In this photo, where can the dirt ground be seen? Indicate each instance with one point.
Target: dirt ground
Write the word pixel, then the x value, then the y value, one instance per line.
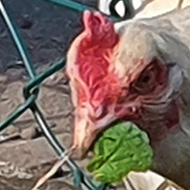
pixel 24 153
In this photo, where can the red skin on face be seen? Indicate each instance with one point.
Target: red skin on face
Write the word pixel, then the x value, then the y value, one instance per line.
pixel 93 60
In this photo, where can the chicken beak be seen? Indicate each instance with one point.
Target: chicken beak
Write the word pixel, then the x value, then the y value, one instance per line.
pixel 84 135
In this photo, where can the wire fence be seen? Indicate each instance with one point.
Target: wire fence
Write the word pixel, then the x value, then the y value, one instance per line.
pixel 31 89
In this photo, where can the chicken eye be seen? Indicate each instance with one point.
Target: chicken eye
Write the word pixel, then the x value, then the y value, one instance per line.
pixel 151 78
pixel 145 79
pixel 145 83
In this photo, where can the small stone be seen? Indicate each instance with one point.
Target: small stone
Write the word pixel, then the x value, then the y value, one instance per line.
pixel 29 133
pixel 26 22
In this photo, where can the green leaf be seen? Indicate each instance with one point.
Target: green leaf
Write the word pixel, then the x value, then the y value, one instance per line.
pixel 121 149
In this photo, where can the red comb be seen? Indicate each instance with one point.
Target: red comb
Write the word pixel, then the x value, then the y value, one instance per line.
pixel 94 57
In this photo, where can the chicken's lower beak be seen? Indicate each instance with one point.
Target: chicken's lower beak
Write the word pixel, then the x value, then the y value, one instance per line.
pixel 84 135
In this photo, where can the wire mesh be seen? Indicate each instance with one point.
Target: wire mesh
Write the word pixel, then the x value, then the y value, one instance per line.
pixel 31 89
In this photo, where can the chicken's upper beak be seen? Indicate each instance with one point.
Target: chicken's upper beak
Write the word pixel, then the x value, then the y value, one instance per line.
pixel 84 135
